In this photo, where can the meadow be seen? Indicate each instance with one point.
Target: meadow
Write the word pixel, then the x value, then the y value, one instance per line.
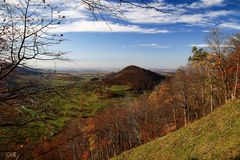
pixel 71 96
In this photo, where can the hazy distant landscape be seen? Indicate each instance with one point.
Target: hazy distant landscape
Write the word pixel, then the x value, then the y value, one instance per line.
pixel 120 80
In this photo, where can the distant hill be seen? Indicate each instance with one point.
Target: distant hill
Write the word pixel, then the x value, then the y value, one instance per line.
pixel 27 71
pixel 215 136
pixel 19 74
pixel 136 77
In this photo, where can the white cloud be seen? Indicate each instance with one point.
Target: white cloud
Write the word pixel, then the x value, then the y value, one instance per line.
pixel 74 14
pixel 142 15
pixel 102 26
pixel 230 25
pixel 199 45
pixel 12 1
pixel 214 14
pixel 206 3
pixel 212 2
pixel 78 17
pixel 206 45
pixel 192 19
pixel 153 45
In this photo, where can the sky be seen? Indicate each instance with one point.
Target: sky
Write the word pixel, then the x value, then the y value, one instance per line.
pixel 159 37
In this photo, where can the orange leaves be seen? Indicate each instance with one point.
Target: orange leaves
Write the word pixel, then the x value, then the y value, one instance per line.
pixel 92 141
pixel 160 93
pixel 85 155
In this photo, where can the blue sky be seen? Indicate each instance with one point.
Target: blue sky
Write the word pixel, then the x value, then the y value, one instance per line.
pixel 145 37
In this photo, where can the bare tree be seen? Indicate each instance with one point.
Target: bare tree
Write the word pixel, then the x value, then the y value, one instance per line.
pixel 234 57
pixel 25 33
pixel 217 44
pixel 182 90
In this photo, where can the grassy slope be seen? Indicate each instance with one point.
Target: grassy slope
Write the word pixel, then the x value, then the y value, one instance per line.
pixel 216 136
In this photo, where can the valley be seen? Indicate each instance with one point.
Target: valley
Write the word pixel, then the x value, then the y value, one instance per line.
pixel 61 100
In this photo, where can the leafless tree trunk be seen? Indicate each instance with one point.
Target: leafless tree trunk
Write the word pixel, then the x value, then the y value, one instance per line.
pixel 236 82
pixel 217 45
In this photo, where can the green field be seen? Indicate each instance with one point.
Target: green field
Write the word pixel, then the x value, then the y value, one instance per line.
pixel 121 90
pixel 70 98
pixel 216 136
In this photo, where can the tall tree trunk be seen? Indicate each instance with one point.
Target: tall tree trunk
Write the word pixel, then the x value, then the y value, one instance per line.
pixel 223 77
pixel 236 82
pixel 175 119
pixel 211 98
pixel 185 115
pixel 210 79
pixel 224 86
pixel 203 99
